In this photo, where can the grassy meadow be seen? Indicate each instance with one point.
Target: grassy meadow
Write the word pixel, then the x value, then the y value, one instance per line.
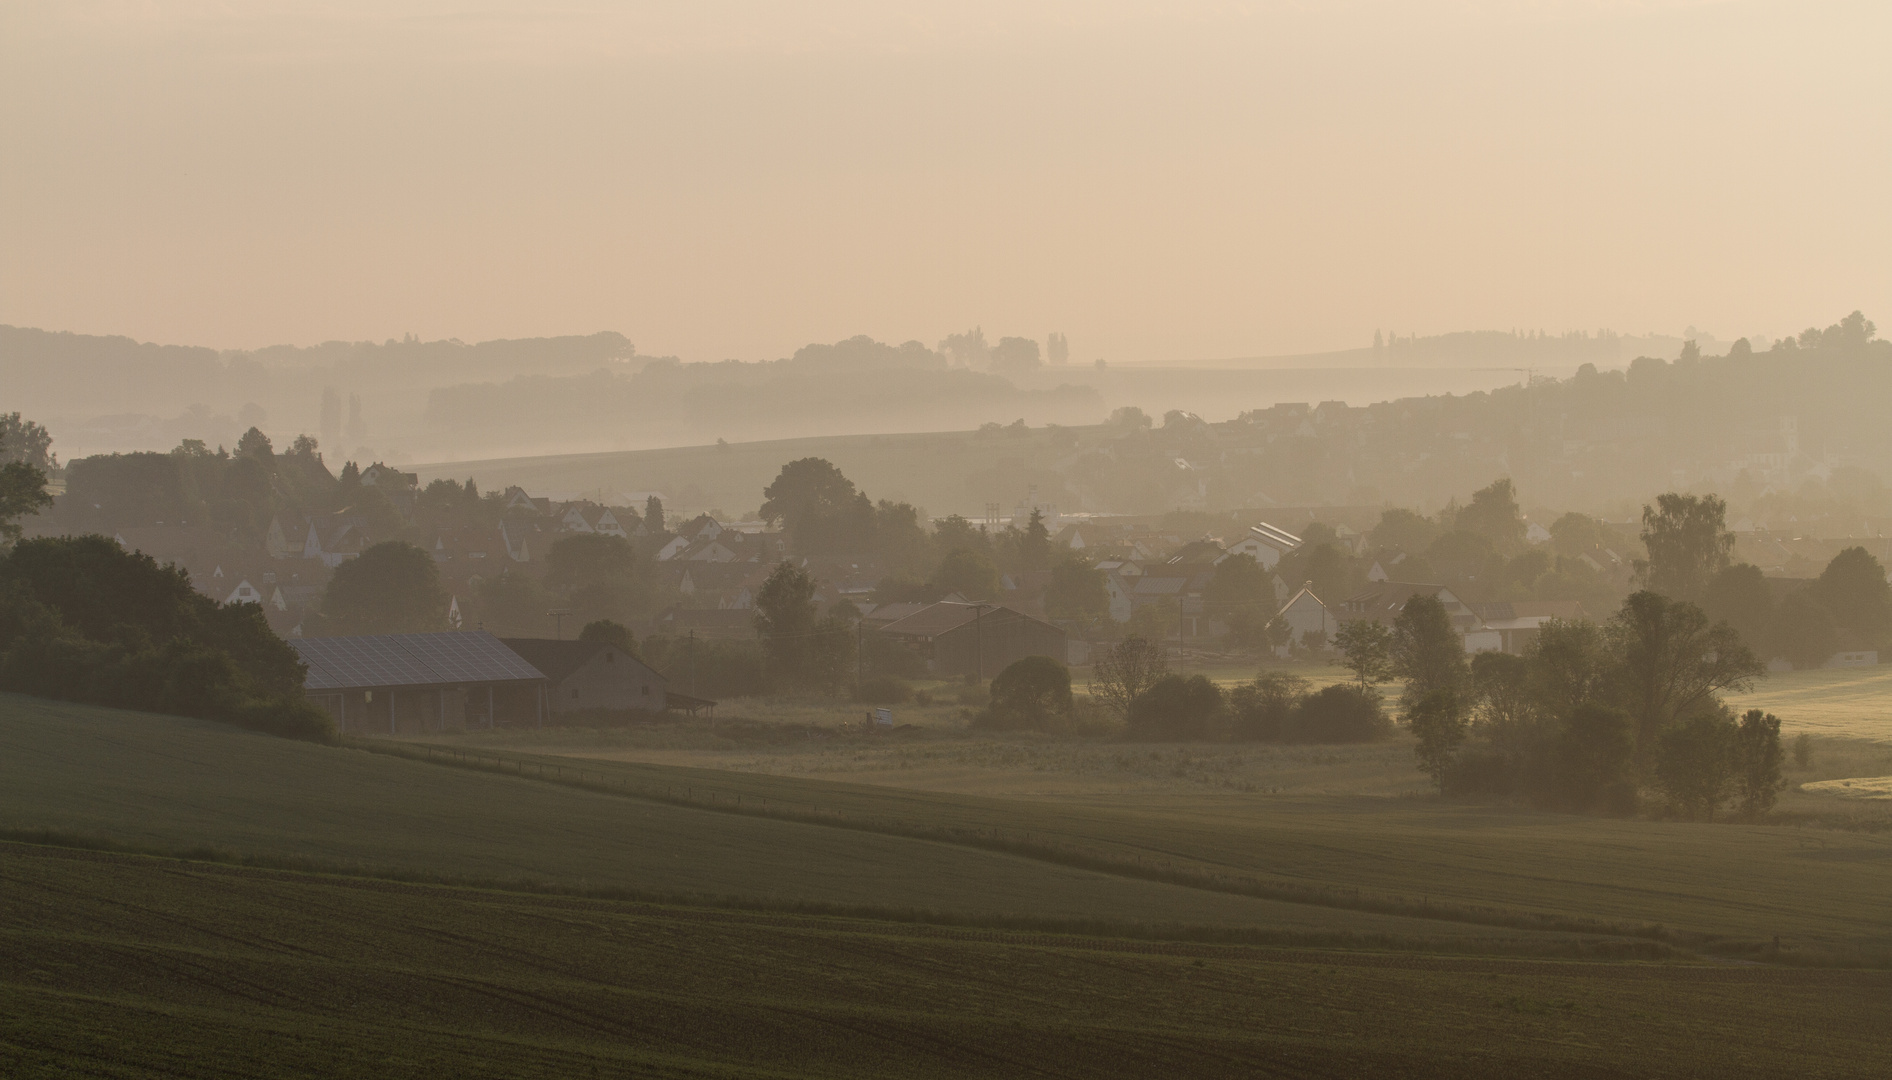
pixel 184 898
pixel 1406 867
pixel 169 784
pixel 1845 702
pixel 1733 883
pixel 115 965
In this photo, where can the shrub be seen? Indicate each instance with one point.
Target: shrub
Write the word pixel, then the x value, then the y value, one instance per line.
pixel 83 620
pixel 1122 671
pixel 1480 769
pixel 1178 708
pixel 1034 692
pixel 293 718
pixel 1695 764
pixel 1438 722
pixel 611 632
pixel 1757 757
pixel 1591 755
pixel 883 690
pixel 1263 710
pixel 1341 713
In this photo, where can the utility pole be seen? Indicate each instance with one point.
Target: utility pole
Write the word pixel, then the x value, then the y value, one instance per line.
pixel 692 663
pixel 860 651
pixel 558 623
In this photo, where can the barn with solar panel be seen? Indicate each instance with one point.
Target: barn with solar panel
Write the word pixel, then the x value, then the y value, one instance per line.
pixel 411 683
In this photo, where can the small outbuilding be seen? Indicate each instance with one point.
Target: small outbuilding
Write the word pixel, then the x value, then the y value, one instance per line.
pixel 582 675
pixel 975 639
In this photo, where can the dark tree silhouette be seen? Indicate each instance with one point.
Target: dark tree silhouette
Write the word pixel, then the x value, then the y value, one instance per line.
pixel 390 588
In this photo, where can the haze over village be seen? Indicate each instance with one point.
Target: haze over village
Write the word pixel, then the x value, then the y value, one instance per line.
pixel 916 540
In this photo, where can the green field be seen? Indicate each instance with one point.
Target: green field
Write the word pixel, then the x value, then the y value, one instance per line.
pixel 122 966
pixel 1744 883
pixel 165 784
pixel 1851 702
pixel 188 899
pixel 169 784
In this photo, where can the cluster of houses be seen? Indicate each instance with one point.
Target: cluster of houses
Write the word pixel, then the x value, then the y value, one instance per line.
pixel 300 551
pixel 1183 576
pixel 710 571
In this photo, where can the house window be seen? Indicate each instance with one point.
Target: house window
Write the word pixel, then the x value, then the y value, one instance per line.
pixel 574 693
pixel 647 690
pixel 610 658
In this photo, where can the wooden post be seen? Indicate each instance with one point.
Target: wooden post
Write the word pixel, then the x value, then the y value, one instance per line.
pixel 492 720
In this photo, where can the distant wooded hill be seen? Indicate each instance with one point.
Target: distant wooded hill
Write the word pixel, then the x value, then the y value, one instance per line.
pixel 1796 432
pixel 1754 424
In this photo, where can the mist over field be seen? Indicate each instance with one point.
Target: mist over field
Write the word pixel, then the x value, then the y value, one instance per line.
pixel 412 401
pixel 915 539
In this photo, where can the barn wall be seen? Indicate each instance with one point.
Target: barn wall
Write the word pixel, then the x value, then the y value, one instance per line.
pixel 1002 637
pixel 610 680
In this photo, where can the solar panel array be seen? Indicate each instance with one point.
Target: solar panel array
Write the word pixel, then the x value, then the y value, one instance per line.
pixel 383 660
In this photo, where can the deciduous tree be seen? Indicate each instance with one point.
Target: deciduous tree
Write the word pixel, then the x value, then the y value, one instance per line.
pixel 1365 647
pixel 1439 723
pixel 390 588
pixel 819 509
pixel 1033 692
pixel 1126 669
pixel 968 573
pixel 1757 762
pixel 599 576
pixel 1426 649
pixel 22 492
pixel 1687 542
pixel 1695 764
pixel 1674 662
pixel 610 632
pixel 1076 591
pixel 1175 707
pixel 785 621
pixel 1241 594
pixel 1854 589
pixel 1493 514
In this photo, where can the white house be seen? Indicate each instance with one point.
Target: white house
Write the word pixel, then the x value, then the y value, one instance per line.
pixel 244 593
pixel 1384 600
pixel 1266 544
pixel 1308 619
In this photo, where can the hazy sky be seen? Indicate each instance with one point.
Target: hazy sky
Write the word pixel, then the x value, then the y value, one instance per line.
pixel 736 178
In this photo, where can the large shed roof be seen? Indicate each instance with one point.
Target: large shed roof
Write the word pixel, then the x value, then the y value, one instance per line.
pixel 389 660
pixel 936 619
pixel 559 659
